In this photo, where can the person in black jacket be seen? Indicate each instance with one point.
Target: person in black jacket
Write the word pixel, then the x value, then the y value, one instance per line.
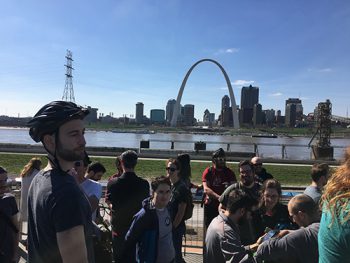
pixel 125 195
pixel 151 229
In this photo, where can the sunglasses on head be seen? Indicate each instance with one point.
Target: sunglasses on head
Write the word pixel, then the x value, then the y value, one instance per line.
pixel 171 169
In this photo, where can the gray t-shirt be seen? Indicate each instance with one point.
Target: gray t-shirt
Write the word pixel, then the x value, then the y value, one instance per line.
pixel 299 246
pixel 314 192
pixel 55 204
pixel 223 243
pixel 166 251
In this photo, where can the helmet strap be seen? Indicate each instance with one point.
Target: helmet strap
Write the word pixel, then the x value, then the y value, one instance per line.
pixel 52 157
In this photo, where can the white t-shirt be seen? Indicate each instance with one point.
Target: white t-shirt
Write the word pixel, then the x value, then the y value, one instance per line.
pixel 92 188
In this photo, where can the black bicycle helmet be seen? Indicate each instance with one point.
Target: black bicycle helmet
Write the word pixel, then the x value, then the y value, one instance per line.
pixel 218 153
pixel 53 115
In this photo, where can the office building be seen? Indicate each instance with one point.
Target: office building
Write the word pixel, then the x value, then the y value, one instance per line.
pixel 139 112
pixel 225 102
pixel 298 107
pixel 226 112
pixel 208 118
pixel 170 106
pixel 249 97
pixel 157 116
pixel 290 118
pixel 257 115
pixel 188 115
pixel 270 117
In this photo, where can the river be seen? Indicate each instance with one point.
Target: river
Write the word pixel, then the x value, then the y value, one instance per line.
pixel 267 147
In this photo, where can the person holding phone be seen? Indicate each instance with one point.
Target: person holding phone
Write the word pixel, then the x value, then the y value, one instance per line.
pixel 271 213
pixel 294 245
pixel 222 241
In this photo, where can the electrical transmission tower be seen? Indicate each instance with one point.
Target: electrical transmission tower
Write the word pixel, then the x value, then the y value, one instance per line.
pixel 68 93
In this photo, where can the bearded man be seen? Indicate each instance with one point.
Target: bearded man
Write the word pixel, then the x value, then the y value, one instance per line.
pixel 223 241
pixel 215 180
pixel 59 215
pixel 248 185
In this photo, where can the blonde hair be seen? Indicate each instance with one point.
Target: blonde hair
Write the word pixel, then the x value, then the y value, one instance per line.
pixel 336 193
pixel 34 163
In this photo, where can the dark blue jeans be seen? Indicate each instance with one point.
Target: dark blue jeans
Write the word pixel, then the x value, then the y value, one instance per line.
pixel 178 234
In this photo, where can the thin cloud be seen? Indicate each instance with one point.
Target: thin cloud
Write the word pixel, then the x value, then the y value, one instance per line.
pixel 232 50
pixel 320 70
pixel 225 88
pixel 242 82
pixel 227 51
pixel 277 94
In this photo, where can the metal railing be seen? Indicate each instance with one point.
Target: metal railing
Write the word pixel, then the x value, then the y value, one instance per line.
pixel 194 238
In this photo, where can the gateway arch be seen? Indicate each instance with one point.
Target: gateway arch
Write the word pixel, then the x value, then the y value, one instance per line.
pixel 228 82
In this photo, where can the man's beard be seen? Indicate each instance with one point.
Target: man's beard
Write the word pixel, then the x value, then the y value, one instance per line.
pixel 70 155
pixel 220 165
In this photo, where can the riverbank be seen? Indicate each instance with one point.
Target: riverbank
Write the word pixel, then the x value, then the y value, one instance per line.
pixel 287 174
pixel 234 156
pixel 337 131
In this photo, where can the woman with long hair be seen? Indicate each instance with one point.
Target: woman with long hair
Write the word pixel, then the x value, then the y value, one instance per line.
pixel 184 160
pixel 271 213
pixel 27 175
pixel 185 168
pixel 334 233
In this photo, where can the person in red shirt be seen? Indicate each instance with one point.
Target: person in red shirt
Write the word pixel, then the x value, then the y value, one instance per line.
pixel 215 180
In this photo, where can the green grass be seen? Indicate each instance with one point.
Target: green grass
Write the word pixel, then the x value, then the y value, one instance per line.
pixel 286 174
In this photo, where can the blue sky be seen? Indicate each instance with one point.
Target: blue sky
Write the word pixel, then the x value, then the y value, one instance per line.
pixel 140 50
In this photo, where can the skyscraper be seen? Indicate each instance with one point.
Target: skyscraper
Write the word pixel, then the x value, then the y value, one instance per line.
pixel 208 118
pixel 270 117
pixel 257 114
pixel 226 112
pixel 290 118
pixel 188 114
pixel 298 107
pixel 170 110
pixel 249 97
pixel 139 112
pixel 293 113
pixel 225 102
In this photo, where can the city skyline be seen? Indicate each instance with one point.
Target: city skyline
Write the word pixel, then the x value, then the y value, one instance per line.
pixel 131 51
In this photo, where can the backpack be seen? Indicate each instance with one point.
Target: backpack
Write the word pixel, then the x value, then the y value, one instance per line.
pixel 189 207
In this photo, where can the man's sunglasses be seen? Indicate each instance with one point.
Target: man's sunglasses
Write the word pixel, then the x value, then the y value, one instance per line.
pixel 220 159
pixel 77 164
pixel 171 169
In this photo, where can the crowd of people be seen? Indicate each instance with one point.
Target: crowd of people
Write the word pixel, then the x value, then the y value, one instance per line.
pixel 244 219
